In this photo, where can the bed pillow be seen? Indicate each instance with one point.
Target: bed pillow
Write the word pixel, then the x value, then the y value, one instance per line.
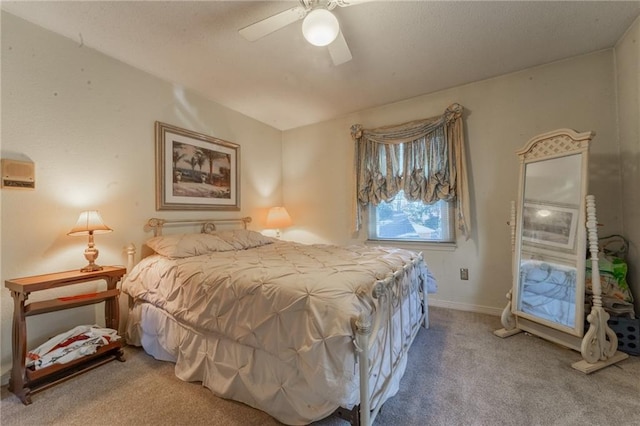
pixel 242 239
pixel 186 245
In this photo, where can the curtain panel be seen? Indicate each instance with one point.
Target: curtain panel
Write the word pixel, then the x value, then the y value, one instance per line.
pixel 425 158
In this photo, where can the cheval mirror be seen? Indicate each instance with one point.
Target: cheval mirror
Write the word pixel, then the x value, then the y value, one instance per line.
pixel 552 223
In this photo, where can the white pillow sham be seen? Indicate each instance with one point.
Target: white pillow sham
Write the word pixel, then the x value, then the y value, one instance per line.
pixel 178 246
pixel 242 239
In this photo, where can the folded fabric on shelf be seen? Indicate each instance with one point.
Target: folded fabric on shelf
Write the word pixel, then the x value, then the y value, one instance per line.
pixel 76 343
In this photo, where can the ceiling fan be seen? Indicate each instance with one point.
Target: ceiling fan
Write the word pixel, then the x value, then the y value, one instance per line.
pixel 319 27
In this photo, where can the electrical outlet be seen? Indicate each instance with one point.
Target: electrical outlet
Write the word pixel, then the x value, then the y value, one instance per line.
pixel 464 273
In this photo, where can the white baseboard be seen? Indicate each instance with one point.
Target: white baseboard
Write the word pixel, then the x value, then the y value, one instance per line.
pixel 465 307
pixel 4 379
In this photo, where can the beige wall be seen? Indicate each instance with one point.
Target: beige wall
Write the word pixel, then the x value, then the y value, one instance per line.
pixel 501 115
pixel 87 122
pixel 627 55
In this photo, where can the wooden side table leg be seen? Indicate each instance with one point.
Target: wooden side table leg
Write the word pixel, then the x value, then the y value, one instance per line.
pixel 120 355
pixel 112 314
pixel 112 307
pixel 19 349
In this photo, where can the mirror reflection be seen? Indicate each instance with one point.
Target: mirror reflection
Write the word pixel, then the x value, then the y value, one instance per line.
pixel 548 257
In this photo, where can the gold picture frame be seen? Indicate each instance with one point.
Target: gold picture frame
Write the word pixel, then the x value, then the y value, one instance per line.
pixel 195 171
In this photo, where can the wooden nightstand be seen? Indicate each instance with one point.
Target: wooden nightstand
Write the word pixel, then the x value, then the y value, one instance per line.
pixel 25 381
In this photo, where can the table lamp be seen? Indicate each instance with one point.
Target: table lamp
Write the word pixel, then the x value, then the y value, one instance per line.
pixel 90 223
pixel 278 218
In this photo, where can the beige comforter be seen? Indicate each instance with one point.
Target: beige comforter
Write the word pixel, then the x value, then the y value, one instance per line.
pixel 290 303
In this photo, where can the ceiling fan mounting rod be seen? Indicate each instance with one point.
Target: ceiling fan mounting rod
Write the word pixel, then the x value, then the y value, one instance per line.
pixel 321 4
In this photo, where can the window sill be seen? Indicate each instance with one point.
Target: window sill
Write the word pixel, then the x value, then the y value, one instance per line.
pixel 414 245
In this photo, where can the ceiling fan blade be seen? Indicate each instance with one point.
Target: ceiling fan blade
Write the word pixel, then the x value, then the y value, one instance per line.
pixel 273 23
pixel 339 50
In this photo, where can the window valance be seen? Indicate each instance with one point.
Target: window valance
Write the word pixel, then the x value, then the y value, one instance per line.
pixel 425 158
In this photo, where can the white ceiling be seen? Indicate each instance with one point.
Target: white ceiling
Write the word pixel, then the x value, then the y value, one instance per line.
pixel 400 49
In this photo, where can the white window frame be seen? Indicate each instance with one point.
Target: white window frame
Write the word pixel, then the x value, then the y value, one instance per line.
pixel 447 235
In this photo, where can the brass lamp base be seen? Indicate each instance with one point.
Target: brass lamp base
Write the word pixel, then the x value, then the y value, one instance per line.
pixel 91 254
pixel 91 267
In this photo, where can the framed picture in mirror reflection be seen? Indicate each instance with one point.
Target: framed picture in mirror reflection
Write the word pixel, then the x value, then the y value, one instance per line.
pixel 550 225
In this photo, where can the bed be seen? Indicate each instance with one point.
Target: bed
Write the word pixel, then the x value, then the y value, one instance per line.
pixel 298 331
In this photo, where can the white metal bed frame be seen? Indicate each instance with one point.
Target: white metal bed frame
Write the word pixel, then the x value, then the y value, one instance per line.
pixel 385 298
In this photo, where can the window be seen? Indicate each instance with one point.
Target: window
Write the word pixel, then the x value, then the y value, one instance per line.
pixel 403 220
pixel 425 159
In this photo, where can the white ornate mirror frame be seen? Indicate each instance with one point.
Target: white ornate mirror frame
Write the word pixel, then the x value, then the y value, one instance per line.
pixel 549 237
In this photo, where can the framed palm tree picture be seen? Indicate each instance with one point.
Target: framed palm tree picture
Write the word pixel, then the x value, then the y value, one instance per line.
pixel 195 171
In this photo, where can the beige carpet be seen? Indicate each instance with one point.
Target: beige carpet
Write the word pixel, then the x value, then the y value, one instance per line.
pixel 459 373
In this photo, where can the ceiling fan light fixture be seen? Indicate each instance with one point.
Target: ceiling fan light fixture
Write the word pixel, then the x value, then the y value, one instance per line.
pixel 320 27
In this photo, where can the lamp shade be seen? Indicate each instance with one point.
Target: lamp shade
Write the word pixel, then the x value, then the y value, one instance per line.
pixel 320 27
pixel 89 222
pixel 278 217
